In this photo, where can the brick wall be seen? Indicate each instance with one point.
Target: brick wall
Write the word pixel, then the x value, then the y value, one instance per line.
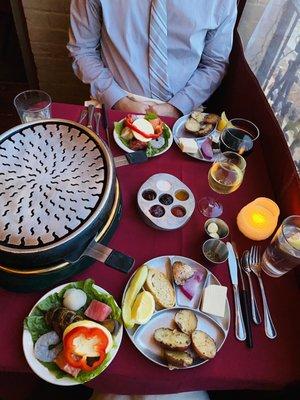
pixel 48 22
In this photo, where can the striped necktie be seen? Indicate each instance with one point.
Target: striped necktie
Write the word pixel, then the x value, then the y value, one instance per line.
pixel 158 51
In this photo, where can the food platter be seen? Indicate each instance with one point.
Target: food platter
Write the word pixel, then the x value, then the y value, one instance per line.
pixel 216 327
pixel 39 369
pixel 154 143
pixel 179 131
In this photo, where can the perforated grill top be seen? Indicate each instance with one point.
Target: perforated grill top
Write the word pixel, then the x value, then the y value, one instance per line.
pixel 52 178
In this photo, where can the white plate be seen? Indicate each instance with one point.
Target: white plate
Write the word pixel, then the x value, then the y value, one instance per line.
pixel 215 327
pixel 179 131
pixel 155 142
pixel 43 372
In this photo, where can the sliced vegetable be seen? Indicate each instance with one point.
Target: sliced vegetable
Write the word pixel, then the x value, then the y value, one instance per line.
pixel 142 129
pixel 86 344
pixel 206 148
pixel 62 363
pixel 192 284
pixel 74 299
pixel 97 311
pixel 135 286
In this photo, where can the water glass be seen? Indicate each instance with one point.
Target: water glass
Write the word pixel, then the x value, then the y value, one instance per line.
pixel 283 253
pixel 33 105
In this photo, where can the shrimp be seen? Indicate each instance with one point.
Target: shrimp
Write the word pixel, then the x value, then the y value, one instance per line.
pixel 47 347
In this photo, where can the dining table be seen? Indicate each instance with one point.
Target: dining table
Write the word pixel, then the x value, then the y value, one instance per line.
pixel 270 364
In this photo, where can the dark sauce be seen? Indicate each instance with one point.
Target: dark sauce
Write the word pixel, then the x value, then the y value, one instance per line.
pixel 166 199
pixel 157 211
pixel 149 195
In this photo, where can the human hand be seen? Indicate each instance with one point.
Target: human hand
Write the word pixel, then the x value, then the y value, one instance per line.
pixel 165 110
pixel 128 105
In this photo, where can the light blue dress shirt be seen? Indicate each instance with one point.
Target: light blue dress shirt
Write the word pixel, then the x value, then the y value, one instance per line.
pixel 109 45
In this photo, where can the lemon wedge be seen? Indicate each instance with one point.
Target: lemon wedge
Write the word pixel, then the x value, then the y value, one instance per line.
pixel 143 307
pixel 294 240
pixel 224 122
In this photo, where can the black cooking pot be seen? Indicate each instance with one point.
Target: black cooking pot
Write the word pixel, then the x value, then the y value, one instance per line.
pixel 57 190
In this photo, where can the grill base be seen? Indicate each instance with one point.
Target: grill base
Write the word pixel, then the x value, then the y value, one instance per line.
pixel 19 282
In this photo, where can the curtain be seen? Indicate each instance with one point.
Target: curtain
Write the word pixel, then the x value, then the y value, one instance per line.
pixel 270 31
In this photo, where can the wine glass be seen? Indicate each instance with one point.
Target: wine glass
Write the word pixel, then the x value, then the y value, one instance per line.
pixel 239 136
pixel 227 172
pixel 225 176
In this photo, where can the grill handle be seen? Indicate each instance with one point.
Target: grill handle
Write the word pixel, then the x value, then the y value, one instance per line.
pixel 112 258
pixel 136 157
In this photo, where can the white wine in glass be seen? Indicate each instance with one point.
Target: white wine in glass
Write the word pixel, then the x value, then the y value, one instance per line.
pixel 227 172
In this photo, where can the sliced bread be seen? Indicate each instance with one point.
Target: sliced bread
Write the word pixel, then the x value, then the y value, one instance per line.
pixel 178 358
pixel 181 272
pixel 186 321
pixel 161 288
pixel 204 345
pixel 192 125
pixel 172 339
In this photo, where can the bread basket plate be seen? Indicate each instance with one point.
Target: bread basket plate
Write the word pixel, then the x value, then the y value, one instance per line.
pixel 161 142
pixel 179 131
pixel 39 369
pixel 216 327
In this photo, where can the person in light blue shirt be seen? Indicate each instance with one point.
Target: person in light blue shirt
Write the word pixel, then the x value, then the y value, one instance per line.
pixel 109 42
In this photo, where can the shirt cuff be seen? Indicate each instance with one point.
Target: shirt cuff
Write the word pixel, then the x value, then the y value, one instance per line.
pixel 113 94
pixel 182 102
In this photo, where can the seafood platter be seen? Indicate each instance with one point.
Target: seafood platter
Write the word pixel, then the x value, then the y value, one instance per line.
pixel 72 333
pixel 175 312
pixel 165 202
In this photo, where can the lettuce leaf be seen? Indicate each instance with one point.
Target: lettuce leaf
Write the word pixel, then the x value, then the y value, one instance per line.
pixel 36 324
pixel 150 115
pixel 118 127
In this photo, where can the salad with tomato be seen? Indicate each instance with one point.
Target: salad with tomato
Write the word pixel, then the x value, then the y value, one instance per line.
pixel 74 330
pixel 147 132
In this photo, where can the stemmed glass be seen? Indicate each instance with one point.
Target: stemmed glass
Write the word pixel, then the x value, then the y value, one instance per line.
pixel 239 136
pixel 225 176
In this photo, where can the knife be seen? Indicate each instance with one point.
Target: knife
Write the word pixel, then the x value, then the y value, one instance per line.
pixel 240 331
pixel 244 301
pixel 105 123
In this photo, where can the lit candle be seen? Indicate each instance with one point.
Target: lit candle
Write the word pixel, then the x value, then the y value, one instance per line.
pixel 258 219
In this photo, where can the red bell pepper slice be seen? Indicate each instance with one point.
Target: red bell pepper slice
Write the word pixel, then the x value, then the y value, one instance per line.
pixel 85 347
pixel 129 124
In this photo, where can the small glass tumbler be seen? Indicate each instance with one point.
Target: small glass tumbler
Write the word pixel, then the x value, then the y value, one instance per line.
pixel 283 253
pixel 33 105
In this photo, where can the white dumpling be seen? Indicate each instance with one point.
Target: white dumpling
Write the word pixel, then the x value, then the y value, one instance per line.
pixel 74 299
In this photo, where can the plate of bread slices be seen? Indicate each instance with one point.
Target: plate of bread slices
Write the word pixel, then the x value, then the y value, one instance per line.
pixel 176 312
pixel 197 135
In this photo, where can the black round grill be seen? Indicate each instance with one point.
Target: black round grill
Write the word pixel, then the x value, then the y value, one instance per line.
pixel 52 179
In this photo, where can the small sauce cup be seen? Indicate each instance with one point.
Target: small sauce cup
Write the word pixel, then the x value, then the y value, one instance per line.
pixel 215 251
pixel 223 229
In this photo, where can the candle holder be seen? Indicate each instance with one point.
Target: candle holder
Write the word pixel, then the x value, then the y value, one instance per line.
pixel 258 219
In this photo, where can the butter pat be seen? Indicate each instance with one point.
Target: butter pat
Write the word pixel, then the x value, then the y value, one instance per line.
pixel 214 300
pixel 188 145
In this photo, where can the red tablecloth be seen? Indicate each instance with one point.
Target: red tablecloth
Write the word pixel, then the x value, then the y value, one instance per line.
pixel 270 364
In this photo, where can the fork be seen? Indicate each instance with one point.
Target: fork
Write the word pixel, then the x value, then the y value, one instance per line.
pixel 246 268
pixel 255 259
